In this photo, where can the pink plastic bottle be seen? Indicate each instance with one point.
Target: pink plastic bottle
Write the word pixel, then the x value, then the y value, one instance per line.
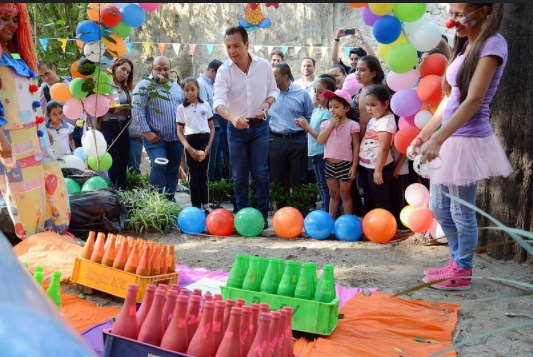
pixel 203 342
pixel 245 329
pixel 288 331
pixel 230 303
pixel 261 344
pixel 193 315
pixel 240 302
pixel 283 343
pixel 168 310
pixel 274 333
pixel 217 297
pixel 152 329
pixel 176 337
pixel 231 343
pixel 218 321
pixel 126 324
pixel 254 321
pixel 146 305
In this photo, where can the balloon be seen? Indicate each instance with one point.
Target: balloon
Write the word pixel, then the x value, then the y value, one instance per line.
pixel 420 219
pixel 409 120
pixel 79 153
pixel 429 89
pixel 93 10
pixel 93 51
pixel 417 195
pixel 191 220
pixel 88 143
pixel 402 58
pixel 60 92
pixel 110 16
pixel 94 184
pixel 122 30
pixel 73 108
pixel 437 233
pixel 405 102
pixel 72 186
pixel 318 224
pixel 379 225
pixel 409 12
pixel 220 222
pixel 103 83
pixel 369 17
pixel 351 86
pixel 356 5
pixel 120 5
pixel 149 6
pixel 118 48
pixel 348 228
pixel 105 162
pixel 403 138
pixel 381 8
pixel 404 214
pixel 426 36
pixel 249 222
pixel 422 118
pixel 85 66
pixel 74 71
pixel 387 29
pixel 88 31
pixel 288 222
pixel 71 162
pixel 410 27
pixel 434 64
pixel 384 49
pixel 397 81
pixel 96 105
pixel 402 123
pixel 79 123
pixel 76 88
pixel 133 15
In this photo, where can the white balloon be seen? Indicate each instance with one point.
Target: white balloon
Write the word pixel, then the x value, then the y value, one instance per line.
pixel 425 37
pixel 410 27
pixel 71 161
pixel 88 143
pixel 94 51
pixel 397 81
pixel 422 118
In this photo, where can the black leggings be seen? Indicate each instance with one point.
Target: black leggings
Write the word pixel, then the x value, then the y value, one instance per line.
pixel 378 196
pixel 198 178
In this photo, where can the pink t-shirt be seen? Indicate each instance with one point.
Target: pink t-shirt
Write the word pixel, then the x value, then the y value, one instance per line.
pixel 339 143
pixel 368 153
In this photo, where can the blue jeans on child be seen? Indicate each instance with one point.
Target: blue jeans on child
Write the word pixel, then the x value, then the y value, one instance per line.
pixel 454 217
pixel 164 177
pixel 319 165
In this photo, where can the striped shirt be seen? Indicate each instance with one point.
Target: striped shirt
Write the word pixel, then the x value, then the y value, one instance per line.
pixel 159 116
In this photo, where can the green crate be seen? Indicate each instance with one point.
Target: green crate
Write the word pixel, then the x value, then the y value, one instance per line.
pixel 308 316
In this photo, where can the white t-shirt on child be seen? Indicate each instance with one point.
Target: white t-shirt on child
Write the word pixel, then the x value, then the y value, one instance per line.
pixel 61 145
pixel 368 153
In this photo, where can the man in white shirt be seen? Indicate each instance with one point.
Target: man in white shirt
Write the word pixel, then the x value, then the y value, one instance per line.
pixel 307 81
pixel 245 89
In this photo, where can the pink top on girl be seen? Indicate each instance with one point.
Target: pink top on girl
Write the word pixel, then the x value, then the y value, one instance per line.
pixel 339 143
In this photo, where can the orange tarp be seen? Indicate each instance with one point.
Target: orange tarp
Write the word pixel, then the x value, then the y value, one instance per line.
pixel 378 325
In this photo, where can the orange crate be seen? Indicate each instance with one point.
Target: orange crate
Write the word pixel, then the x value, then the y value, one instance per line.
pixel 114 281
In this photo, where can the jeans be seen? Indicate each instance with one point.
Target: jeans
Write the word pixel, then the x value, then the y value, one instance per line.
pixel 248 150
pixel 164 176
pixel 120 151
pixel 454 217
pixel 319 165
pixel 378 196
pixel 136 149
pixel 214 155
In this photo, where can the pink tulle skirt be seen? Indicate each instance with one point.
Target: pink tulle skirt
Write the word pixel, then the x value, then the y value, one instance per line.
pixel 466 160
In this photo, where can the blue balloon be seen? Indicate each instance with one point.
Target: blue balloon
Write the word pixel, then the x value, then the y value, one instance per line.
pixel 88 31
pixel 133 15
pixel 191 220
pixel 387 29
pixel 348 228
pixel 79 153
pixel 318 224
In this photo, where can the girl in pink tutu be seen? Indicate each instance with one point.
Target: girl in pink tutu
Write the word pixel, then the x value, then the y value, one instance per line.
pixel 466 144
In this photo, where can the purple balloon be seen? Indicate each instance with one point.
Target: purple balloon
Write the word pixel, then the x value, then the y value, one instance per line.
pixel 369 17
pixel 405 103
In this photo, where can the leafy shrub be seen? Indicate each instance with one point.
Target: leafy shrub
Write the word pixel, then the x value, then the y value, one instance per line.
pixel 135 179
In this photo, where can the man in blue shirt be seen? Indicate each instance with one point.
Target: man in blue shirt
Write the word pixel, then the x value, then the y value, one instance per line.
pixel 288 142
pixel 155 102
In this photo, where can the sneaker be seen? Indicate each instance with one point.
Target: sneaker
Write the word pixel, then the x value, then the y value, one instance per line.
pixel 207 208
pixel 442 269
pixel 457 279
pixel 182 188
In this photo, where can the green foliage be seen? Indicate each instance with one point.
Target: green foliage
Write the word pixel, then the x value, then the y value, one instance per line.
pixel 149 210
pixel 135 179
pixel 151 91
pixel 304 198
pixel 220 191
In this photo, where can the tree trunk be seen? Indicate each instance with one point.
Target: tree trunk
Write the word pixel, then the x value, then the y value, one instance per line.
pixel 510 199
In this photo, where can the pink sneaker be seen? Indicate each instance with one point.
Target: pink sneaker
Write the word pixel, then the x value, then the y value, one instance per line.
pixel 442 269
pixel 457 279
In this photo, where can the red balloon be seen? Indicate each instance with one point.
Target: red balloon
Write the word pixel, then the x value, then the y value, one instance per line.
pixel 379 225
pixel 288 222
pixel 219 222
pixel 429 89
pixel 420 219
pixel 110 16
pixel 434 64
pixel 403 138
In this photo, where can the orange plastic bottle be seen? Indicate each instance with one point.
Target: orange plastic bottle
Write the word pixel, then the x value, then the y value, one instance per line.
pixel 163 259
pixel 126 323
pixel 175 337
pixel 151 331
pixel 146 305
pixel 261 344
pixel 88 247
pixel 231 342
pixel 203 342
pixel 110 252
pixel 98 251
pixel 143 269
pixel 156 261
pixel 133 259
pixel 122 256
pixel 171 262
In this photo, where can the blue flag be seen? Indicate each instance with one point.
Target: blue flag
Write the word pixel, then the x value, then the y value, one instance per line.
pixel 44 42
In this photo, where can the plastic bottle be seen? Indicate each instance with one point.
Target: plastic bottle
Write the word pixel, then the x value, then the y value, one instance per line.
pixel 168 310
pixel 269 283
pixel 122 255
pixel 264 307
pixel 156 261
pixel 325 291
pixel 88 247
pixel 305 287
pixel 171 260
pixel 133 259
pixel 175 337
pixel 146 305
pixel 261 343
pixel 315 278
pixel 238 272
pixel 283 341
pixel 207 297
pixel 230 303
pixel 289 279
pixel 254 322
pixel 218 321
pixel 245 329
pixel 151 331
pixel 38 274
pixel 54 289
pixel 163 259
pixel 275 334
pixel 98 250
pixel 203 342
pixel 217 297
pixel 240 302
pixel 252 280
pixel 262 265
pixel 231 342
pixel 143 269
pixel 288 331
pixel 110 252
pixel 193 318
pixel 197 292
pixel 126 323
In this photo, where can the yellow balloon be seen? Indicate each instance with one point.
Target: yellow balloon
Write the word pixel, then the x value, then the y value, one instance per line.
pixel 383 50
pixel 404 214
pixel 79 123
pixel 380 8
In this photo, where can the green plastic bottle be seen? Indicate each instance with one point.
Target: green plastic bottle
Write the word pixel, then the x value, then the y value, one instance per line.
pixel 315 278
pixel 262 265
pixel 238 272
pixel 289 279
pixel 270 282
pixel 38 276
pixel 305 288
pixel 252 280
pixel 54 289
pixel 325 291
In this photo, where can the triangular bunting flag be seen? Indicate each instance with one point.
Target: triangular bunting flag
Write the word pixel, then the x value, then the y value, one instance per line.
pixel 209 49
pixel 297 49
pixel 63 43
pixel 44 43
pixel 192 48
pixel 284 50
pixel 310 51
pixel 324 51
pixel 146 46
pixel 257 48
pixel 176 47
pixel 270 48
pixel 161 47
pixel 347 51
pixel 129 46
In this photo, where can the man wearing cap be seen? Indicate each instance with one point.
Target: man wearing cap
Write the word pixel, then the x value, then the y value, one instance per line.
pixel 245 89
pixel 288 142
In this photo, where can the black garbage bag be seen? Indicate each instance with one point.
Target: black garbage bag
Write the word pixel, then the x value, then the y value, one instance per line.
pixel 6 224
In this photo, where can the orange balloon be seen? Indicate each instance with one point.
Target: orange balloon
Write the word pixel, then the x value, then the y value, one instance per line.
pixel 357 5
pixel 404 136
pixel 74 71
pixel 117 49
pixel 434 64
pixel 379 225
pixel 420 219
pixel 288 222
pixel 429 89
pixel 93 10
pixel 60 92
pixel 220 222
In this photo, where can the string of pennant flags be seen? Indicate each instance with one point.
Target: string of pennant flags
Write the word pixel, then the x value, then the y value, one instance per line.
pixel 147 47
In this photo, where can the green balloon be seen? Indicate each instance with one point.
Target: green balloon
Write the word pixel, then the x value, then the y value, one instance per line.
pixel 94 184
pixel 402 58
pixel 122 30
pixel 105 162
pixel 72 186
pixel 76 88
pixel 249 222
pixel 409 12
pixel 103 83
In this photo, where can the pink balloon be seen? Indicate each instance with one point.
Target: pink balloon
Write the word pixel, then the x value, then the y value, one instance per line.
pixel 417 195
pixel 369 17
pixel 96 105
pixel 405 102
pixel 149 6
pixel 397 81
pixel 73 108
pixel 403 123
pixel 351 85
pixel 410 120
